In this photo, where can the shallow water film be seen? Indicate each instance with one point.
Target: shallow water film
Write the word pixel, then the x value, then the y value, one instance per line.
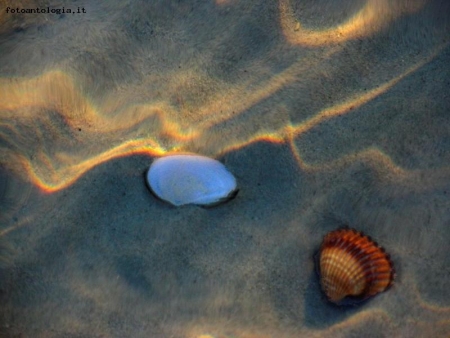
pixel 328 112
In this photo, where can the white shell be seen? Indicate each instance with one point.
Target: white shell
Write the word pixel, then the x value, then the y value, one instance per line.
pixel 191 179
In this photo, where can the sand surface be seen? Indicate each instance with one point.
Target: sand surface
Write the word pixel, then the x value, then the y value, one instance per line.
pixel 329 113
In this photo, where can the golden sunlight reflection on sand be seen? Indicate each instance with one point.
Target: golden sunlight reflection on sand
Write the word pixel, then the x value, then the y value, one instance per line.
pixel 25 99
pixel 374 317
pixel 370 19
pixel 117 129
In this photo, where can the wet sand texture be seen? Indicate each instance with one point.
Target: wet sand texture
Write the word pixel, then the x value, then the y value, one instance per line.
pixel 327 112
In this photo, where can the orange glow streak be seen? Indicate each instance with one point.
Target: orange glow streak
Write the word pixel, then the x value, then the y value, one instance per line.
pixel 56 91
pixel 52 170
pixel 168 128
pixel 217 328
pixel 224 2
pixel 290 132
pixel 370 19
pixel 415 296
pixel 24 221
pixel 68 175
pixel 357 101
pixel 53 90
pixel 272 138
pixel 243 97
pixel 359 318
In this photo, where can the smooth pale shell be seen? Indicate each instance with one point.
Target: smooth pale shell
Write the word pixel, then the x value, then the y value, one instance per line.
pixel 191 179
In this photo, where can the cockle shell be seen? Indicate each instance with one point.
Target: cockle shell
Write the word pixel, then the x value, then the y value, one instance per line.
pixel 352 266
pixel 191 179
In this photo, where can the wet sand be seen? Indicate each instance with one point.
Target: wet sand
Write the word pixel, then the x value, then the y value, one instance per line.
pixel 328 115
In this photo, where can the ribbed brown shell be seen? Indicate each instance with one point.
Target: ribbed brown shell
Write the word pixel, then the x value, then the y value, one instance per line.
pixel 351 264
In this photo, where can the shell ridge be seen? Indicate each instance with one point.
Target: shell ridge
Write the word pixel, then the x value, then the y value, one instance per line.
pixel 353 265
